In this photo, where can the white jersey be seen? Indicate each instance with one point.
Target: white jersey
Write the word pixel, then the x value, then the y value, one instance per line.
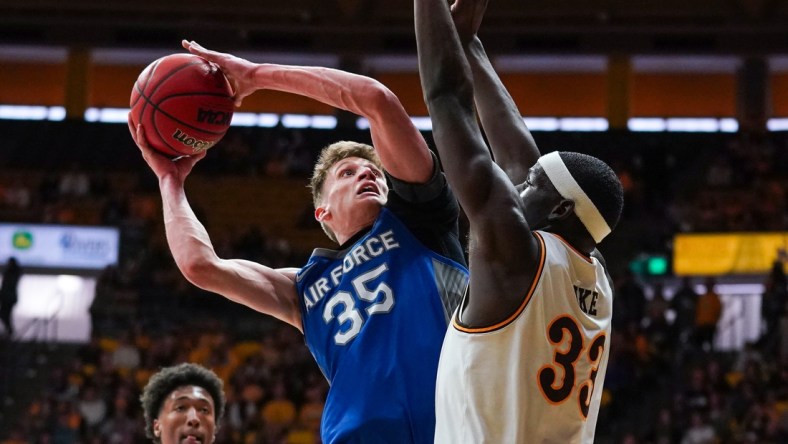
pixel 537 376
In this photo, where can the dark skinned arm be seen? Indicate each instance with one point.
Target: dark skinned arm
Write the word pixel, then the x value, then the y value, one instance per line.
pixel 511 142
pixel 502 251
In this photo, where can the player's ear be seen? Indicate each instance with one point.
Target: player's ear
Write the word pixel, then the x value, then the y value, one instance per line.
pixel 562 210
pixel 322 213
pixel 156 428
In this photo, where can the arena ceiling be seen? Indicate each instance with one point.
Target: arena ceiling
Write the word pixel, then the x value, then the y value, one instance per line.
pixel 364 27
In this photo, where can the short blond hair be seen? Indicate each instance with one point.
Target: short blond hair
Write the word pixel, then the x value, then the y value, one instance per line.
pixel 329 156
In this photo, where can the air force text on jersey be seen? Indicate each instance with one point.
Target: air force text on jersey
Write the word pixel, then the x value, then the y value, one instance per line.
pixel 370 248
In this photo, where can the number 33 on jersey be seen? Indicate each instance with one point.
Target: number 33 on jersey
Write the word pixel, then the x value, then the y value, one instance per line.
pixel 540 372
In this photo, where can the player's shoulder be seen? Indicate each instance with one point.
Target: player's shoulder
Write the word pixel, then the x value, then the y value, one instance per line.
pixel 313 268
pixel 596 254
pixel 431 207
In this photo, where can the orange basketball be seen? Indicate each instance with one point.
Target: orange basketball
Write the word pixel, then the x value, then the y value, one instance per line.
pixel 184 104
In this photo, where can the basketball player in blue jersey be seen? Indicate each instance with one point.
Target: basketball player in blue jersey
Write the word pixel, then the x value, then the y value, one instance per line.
pixel 374 310
pixel 181 403
pixel 525 356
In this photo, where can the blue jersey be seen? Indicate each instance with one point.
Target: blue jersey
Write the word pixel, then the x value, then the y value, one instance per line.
pixel 374 317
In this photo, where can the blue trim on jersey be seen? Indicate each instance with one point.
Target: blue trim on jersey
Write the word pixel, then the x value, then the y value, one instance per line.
pixel 374 320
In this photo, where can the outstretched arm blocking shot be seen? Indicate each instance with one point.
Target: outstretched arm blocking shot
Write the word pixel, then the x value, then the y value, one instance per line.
pixel 498 229
pixel 511 142
pixel 526 353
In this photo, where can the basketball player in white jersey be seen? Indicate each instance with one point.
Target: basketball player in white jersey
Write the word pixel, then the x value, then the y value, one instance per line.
pixel 525 356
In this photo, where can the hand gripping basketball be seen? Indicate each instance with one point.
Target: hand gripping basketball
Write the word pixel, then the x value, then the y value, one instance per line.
pixel 184 102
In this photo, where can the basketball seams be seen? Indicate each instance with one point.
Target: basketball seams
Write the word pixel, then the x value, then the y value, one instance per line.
pixel 169 122
pixel 174 70
pixel 171 73
pixel 141 90
pixel 155 108
pixel 209 94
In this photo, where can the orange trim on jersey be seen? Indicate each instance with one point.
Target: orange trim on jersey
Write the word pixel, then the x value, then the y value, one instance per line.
pixel 520 309
pixel 586 257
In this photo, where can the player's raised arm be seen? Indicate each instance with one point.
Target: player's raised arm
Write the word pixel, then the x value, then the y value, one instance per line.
pixel 256 286
pixel 503 251
pixel 480 185
pixel 510 140
pixel 400 146
pixel 448 93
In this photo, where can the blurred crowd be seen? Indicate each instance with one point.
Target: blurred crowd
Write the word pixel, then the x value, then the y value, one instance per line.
pixel 673 182
pixel 274 390
pixel 666 382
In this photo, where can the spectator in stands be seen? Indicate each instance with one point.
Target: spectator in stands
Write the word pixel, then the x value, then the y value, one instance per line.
pixel 120 428
pixel 707 315
pixel 773 305
pixel 18 195
pixel 656 321
pixel 74 183
pixel 48 188
pixel 699 431
pixel 696 394
pixel 93 408
pixel 720 173
pixel 236 154
pixel 16 435
pixel 126 355
pixel 657 335
pixel 9 293
pixel 115 209
pixel 279 412
pixel 103 305
pixel 183 401
pixel 100 185
pixel 312 409
pixel 67 423
pixel 630 301
pixel 684 303
pixel 664 430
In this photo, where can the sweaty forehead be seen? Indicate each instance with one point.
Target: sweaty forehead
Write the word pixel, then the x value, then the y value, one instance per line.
pixel 538 177
pixel 190 392
pixel 535 174
pixel 536 169
pixel 353 161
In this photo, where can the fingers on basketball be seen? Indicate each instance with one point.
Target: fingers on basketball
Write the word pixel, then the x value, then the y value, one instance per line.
pixel 184 102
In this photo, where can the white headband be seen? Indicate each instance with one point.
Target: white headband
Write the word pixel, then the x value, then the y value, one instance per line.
pixel 586 211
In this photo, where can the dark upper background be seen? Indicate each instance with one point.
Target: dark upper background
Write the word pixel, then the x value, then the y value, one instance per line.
pixel 386 26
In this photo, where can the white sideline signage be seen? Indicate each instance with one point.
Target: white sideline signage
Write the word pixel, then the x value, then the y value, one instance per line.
pixel 59 246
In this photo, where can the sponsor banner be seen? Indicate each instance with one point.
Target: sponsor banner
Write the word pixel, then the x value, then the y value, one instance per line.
pixel 59 246
pixel 728 253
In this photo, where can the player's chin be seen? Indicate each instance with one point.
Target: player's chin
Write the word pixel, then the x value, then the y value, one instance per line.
pixel 536 221
pixel 371 199
pixel 369 208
